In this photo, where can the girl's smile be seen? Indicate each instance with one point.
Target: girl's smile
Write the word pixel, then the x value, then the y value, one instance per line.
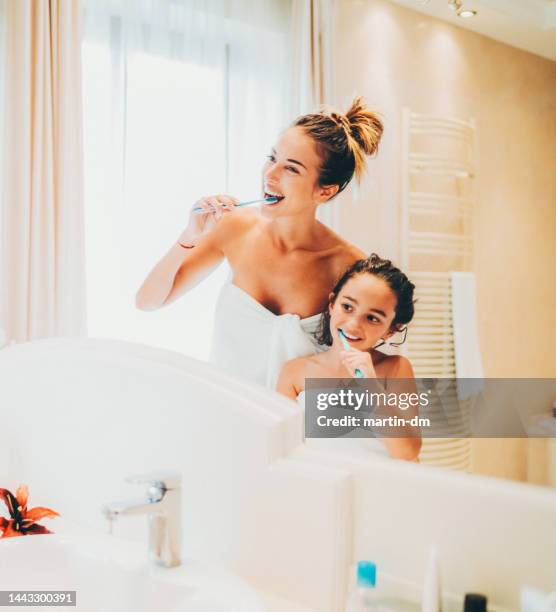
pixel 364 311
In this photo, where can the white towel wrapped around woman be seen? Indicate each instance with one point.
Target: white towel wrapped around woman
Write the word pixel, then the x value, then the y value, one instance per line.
pixel 253 343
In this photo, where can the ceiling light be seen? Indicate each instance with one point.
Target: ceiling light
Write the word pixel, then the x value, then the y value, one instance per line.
pixel 465 13
pixel 455 5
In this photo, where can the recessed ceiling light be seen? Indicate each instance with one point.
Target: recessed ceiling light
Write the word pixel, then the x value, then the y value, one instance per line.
pixel 455 5
pixel 466 13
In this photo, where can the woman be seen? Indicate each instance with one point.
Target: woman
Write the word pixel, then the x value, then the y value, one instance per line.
pixel 283 260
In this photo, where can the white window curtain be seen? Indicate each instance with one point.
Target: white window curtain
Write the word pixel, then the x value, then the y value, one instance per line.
pixel 313 71
pixel 43 289
pixel 3 337
pixel 182 98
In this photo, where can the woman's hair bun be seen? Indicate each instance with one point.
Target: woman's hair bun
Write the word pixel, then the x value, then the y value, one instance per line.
pixel 343 140
pixel 366 126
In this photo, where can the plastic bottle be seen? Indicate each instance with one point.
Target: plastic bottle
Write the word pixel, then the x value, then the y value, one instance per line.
pixel 432 594
pixel 475 602
pixel 363 597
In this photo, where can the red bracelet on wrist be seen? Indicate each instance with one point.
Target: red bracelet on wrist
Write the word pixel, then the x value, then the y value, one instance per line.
pixel 186 246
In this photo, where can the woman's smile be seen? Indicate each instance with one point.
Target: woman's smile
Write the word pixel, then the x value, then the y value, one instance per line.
pixel 273 193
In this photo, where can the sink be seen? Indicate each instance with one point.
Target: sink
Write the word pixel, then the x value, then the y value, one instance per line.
pixel 111 574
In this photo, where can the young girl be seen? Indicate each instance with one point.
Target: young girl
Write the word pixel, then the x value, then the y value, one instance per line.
pixel 372 301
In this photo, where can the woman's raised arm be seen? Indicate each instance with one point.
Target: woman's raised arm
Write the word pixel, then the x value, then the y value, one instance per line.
pixel 197 252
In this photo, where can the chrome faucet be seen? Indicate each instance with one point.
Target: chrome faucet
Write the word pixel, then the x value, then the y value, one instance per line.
pixel 162 505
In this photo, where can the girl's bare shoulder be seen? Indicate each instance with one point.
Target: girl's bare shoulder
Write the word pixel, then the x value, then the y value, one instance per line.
pixel 300 368
pixel 299 365
pixel 392 366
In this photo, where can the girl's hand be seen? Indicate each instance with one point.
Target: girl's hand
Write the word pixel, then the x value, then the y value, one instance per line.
pixel 202 223
pixel 358 360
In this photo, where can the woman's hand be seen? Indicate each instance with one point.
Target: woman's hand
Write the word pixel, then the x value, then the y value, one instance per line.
pixel 202 223
pixel 358 360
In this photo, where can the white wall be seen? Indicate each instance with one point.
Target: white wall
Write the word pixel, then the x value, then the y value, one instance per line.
pixel 396 57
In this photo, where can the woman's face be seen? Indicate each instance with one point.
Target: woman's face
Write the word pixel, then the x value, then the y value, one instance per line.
pixel 292 172
pixel 364 310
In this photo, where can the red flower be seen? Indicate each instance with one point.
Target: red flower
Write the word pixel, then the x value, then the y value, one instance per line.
pixel 22 521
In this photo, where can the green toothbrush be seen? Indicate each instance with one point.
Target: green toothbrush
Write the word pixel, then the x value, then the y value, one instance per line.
pixel 358 373
pixel 199 209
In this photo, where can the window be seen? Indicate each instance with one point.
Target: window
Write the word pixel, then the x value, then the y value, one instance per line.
pixel 169 116
pixel 2 144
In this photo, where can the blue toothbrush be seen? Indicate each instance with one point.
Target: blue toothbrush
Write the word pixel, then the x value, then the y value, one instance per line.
pixel 358 373
pixel 199 209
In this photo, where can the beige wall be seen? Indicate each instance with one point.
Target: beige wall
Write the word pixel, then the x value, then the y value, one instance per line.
pixel 395 58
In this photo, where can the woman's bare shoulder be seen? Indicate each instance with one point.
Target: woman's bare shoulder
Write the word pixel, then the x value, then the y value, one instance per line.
pixel 354 253
pixel 343 253
pixel 246 218
pixel 235 225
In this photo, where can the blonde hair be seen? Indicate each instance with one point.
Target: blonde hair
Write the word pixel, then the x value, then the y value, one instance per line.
pixel 343 141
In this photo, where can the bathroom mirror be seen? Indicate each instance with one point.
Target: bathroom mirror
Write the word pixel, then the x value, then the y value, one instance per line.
pixel 460 193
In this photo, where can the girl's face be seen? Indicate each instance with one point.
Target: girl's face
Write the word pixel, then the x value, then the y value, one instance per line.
pixel 364 310
pixel 291 172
